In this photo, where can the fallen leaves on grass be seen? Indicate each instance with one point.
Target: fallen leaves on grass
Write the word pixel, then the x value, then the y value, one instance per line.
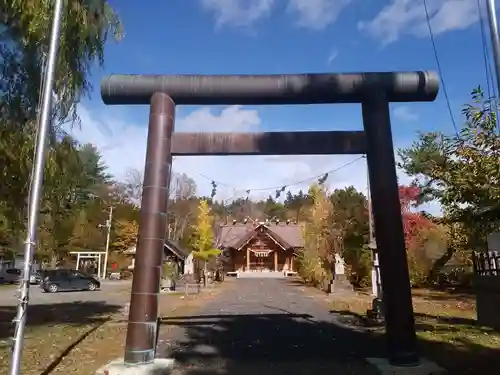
pixel 107 343
pixel 100 347
pixel 446 328
pixel 102 341
pixel 42 345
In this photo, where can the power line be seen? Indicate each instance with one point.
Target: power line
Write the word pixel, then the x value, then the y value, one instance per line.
pixel 440 70
pixel 487 65
pixel 322 176
pixel 312 177
pixel 492 91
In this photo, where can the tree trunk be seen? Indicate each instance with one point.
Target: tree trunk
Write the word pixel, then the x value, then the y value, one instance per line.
pixel 182 228
pixel 204 273
pixel 439 264
pixel 174 231
pixel 53 260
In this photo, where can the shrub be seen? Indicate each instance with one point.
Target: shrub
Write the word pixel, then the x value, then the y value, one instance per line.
pixel 358 266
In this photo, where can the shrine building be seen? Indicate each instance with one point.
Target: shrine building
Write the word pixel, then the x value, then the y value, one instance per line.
pixel 260 246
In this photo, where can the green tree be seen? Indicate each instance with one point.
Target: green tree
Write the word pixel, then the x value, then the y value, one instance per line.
pixel 350 218
pixel 69 183
pixel 273 210
pixel 350 215
pixel 86 236
pixel 461 173
pixel 297 204
pixel 93 173
pixel 85 28
pixel 25 30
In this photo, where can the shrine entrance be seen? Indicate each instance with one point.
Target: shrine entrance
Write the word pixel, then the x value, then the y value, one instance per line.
pixel 374 91
pixel 263 261
pixel 90 262
pixel 262 254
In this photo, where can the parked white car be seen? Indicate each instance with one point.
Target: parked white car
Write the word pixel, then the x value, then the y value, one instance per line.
pixel 10 275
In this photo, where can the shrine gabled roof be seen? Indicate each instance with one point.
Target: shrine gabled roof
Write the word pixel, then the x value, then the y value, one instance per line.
pixel 235 235
pixel 175 248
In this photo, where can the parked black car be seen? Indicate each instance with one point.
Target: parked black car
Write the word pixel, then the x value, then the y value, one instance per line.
pixel 54 281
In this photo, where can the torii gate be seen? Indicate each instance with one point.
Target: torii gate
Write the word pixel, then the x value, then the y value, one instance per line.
pixel 374 91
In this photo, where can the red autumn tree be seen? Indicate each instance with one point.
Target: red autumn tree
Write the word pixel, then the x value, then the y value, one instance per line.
pixel 413 222
pixel 417 231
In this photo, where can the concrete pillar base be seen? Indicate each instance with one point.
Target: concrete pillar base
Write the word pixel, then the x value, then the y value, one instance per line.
pixel 424 368
pixel 160 366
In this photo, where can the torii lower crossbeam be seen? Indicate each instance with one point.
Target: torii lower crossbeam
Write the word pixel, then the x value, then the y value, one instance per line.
pixel 271 143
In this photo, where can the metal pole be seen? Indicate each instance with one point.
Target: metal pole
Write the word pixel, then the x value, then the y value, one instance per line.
pixel 36 191
pixel 370 236
pixel 377 302
pixel 398 307
pixel 108 235
pixel 140 345
pixel 370 214
pixel 495 38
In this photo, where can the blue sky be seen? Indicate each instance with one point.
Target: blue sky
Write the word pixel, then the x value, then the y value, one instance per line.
pixel 282 36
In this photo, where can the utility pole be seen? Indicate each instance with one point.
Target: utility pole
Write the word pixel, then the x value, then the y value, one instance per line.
pixel 108 235
pixel 36 190
pixel 495 38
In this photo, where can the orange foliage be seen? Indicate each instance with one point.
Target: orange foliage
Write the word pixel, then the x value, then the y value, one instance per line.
pixel 125 234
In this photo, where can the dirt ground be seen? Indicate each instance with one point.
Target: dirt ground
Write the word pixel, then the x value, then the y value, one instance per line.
pixel 78 338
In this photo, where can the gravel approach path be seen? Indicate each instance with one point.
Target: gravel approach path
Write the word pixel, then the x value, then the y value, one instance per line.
pixel 264 327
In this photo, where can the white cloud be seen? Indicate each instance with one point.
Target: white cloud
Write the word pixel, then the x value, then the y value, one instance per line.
pixel 408 17
pixel 312 14
pixel 316 14
pixel 394 20
pixel 232 118
pixel 239 13
pixel 123 146
pixel 332 56
pixel 404 113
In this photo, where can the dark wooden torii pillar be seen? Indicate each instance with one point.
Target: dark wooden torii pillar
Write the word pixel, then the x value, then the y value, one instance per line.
pixel 374 91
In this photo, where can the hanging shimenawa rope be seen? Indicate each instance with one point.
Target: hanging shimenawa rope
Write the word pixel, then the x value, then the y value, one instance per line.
pixel 322 180
pixel 214 190
pixel 279 190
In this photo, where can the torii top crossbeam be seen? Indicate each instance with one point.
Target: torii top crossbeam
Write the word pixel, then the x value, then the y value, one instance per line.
pixel 275 89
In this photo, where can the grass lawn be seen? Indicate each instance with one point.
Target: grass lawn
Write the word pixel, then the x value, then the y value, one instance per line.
pixel 446 328
pixel 78 338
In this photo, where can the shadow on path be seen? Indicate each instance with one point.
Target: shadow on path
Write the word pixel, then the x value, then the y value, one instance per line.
pixel 451 342
pixel 270 344
pixel 266 327
pixel 73 313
